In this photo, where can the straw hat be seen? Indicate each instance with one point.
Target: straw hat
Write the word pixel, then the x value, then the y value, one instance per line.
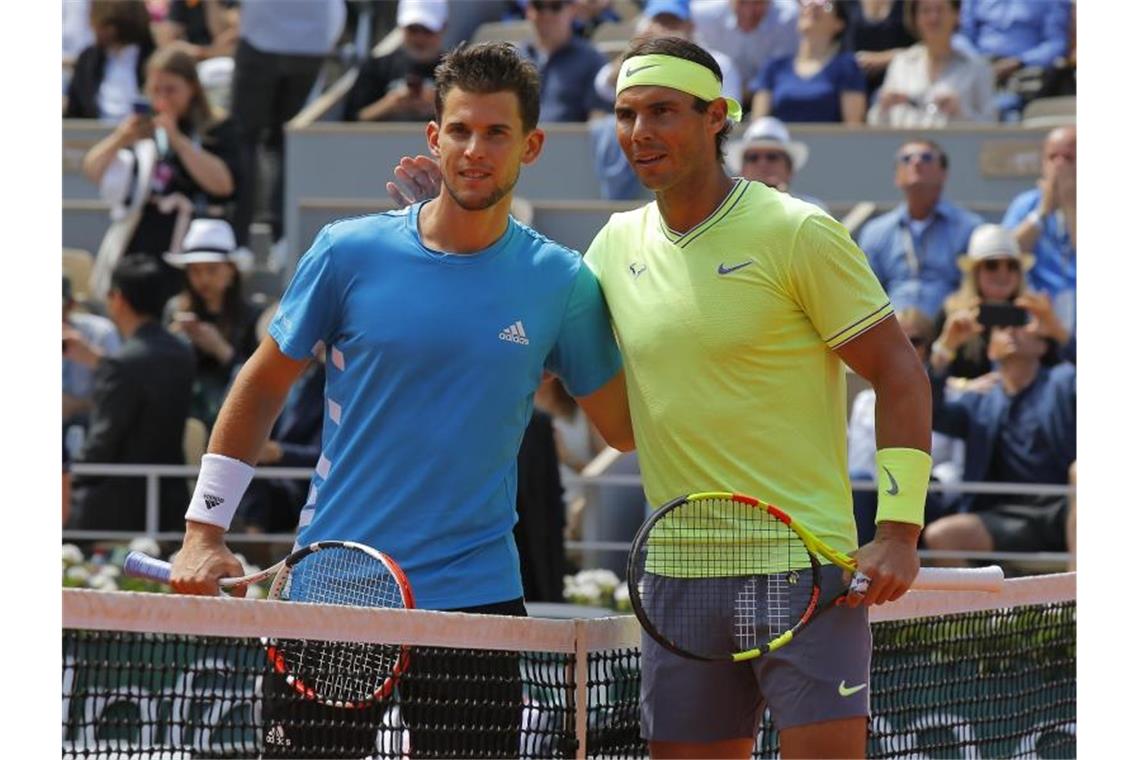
pixel 992 241
pixel 768 132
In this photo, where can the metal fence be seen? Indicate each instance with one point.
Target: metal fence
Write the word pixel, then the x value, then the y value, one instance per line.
pixel 153 473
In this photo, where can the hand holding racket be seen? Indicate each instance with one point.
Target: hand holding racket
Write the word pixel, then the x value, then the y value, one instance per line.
pixel 722 576
pixel 340 674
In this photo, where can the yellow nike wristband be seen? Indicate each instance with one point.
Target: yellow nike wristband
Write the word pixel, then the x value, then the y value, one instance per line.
pixel 904 475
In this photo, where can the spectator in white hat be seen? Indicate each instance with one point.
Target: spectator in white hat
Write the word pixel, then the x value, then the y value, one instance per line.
pixel 212 313
pixel 994 271
pixel 768 154
pixel 400 86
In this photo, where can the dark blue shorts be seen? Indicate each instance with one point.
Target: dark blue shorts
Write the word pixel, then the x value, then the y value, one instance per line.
pixel 822 674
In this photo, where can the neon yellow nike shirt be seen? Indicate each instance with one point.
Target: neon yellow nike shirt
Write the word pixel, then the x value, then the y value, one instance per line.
pixel 727 334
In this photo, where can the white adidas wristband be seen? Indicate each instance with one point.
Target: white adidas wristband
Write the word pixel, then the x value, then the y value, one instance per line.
pixel 221 483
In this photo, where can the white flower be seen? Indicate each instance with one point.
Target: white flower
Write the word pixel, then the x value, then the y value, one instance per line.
pixel 621 593
pixel 604 579
pixel 71 554
pixel 107 571
pixel 255 592
pixel 77 573
pixel 144 544
pixel 102 582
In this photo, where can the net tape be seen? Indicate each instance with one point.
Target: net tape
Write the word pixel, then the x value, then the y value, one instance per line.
pixel 954 674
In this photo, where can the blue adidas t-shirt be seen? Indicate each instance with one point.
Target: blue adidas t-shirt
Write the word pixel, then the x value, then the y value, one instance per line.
pixel 432 362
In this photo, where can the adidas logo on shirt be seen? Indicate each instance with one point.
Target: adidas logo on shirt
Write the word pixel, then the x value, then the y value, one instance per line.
pixel 515 334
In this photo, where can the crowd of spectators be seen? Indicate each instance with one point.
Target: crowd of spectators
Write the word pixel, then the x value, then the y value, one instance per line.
pixel 199 91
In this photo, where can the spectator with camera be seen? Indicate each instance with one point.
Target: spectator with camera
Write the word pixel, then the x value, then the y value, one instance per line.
pixel 1023 430
pixel 567 64
pixel 140 403
pixel 914 248
pixel 932 84
pixel 993 294
pixel 174 158
pixel 212 313
pixel 1044 221
pixel 109 74
pixel 400 86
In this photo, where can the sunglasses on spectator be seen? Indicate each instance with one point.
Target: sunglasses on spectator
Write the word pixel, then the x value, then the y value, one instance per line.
pixel 554 6
pixel 921 157
pixel 993 265
pixel 756 156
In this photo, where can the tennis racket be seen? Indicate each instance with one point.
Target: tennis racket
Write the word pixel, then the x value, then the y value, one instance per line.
pixel 339 674
pixel 723 576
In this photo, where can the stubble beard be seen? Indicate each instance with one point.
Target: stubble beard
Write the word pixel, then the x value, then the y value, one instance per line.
pixel 486 202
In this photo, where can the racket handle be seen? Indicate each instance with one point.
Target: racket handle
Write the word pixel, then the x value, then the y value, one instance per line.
pixel 139 565
pixel 960 579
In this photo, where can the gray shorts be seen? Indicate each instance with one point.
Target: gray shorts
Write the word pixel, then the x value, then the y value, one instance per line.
pixel 823 674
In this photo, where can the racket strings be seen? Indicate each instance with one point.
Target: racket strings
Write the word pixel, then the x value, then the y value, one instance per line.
pixel 718 576
pixel 343 672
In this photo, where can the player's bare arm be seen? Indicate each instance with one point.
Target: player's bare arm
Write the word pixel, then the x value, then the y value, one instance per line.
pixel 885 358
pixel 243 426
pixel 608 411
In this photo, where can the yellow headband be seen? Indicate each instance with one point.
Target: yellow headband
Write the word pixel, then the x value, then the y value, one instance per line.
pixel 660 70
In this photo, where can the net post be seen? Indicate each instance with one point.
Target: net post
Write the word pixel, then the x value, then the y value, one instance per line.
pixel 581 688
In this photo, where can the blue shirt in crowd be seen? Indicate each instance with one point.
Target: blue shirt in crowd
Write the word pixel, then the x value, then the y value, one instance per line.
pixel 795 99
pixel 1030 437
pixel 1033 31
pixel 1055 269
pixel 567 86
pixel 432 363
pixel 925 279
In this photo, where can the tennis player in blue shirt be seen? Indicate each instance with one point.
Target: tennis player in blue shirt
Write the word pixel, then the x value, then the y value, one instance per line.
pixel 438 322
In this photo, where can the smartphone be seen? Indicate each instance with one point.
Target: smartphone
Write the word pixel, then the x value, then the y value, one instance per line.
pixel 142 107
pixel 1002 315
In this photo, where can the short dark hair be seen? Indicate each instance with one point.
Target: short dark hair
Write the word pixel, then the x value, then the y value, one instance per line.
pixel 910 15
pixel 139 279
pixel 486 68
pixel 682 48
pixel 943 159
pixel 129 18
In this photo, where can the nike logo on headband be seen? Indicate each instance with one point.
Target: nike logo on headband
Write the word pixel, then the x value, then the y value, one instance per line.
pixel 631 71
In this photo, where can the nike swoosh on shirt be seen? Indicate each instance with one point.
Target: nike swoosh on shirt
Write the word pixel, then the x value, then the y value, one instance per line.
pixel 846 691
pixel 894 489
pixel 722 269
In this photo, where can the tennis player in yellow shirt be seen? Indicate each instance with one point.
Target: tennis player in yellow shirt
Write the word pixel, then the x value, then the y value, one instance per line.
pixel 735 307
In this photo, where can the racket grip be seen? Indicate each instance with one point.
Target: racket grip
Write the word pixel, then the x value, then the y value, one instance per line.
pixel 989 578
pixel 139 565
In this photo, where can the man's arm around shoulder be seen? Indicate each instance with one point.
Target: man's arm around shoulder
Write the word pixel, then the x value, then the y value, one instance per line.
pixel 608 410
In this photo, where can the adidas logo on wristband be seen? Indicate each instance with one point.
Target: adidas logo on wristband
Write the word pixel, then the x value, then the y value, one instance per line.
pixel 212 501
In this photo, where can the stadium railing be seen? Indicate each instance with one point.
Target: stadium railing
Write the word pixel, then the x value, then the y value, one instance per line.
pixel 154 473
